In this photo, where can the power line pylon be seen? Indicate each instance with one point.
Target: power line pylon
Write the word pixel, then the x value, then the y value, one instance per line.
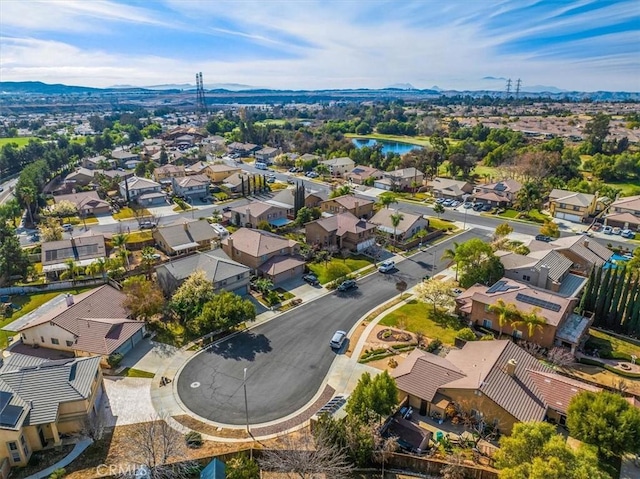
pixel 518 83
pixel 508 88
pixel 202 103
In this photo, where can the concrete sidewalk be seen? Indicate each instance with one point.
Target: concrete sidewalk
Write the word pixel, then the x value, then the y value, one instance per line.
pixel 65 461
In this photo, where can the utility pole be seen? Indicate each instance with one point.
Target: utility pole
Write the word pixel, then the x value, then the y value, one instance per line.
pixel 518 84
pixel 508 88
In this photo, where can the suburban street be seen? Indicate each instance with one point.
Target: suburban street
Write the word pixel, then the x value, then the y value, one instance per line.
pixel 288 358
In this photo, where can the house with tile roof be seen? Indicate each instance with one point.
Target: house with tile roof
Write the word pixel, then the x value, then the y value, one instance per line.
pixel 82 250
pixel 191 187
pixel 219 172
pixel 403 179
pixel 341 231
pixel 502 193
pixel 222 271
pixel 361 174
pixel 583 252
pixel 93 323
pixel 624 213
pixel 572 206
pixel 562 327
pixel 267 254
pixel 497 382
pixel 254 213
pixel 185 236
pixel 339 166
pixel 88 203
pixel 545 269
pixel 99 162
pixel 410 224
pixel 356 205
pixel 164 173
pixel 80 177
pixel 450 189
pixel 266 154
pixel 143 191
pixel 42 399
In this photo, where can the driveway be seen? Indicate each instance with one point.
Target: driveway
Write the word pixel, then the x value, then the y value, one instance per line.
pixel 127 401
pixel 149 356
pixel 287 359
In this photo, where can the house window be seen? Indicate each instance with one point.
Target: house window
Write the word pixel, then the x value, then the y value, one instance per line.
pixel 14 451
pixel 576 208
pixel 25 446
pixel 486 308
pixel 69 343
pixel 54 341
pixel 526 277
pixel 239 276
pixel 517 334
pixel 563 205
pixel 486 323
pixel 42 339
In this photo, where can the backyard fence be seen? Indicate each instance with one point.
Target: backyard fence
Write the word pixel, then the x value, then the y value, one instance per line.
pixel 55 286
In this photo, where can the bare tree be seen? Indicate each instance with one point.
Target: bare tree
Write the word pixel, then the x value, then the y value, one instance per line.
pixel 384 447
pixel 159 448
pixel 560 357
pixel 307 457
pixel 454 468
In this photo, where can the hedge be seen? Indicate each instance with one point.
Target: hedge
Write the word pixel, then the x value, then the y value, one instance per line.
pixel 608 367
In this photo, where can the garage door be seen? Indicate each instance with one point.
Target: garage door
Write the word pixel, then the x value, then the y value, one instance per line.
pixel 568 217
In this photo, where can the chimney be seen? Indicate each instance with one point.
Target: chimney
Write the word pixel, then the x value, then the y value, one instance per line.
pixel 510 367
pixel 230 244
pixel 357 207
pixel 69 300
pixel 543 276
pixel 586 243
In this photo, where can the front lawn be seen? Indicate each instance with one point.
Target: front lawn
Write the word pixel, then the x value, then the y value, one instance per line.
pixel 127 213
pixel 608 344
pixel 537 216
pixel 135 373
pixel 353 264
pixel 442 224
pixel 417 316
pixel 511 214
pixel 19 140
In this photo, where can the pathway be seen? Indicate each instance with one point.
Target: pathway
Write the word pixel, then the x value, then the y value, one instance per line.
pixel 65 461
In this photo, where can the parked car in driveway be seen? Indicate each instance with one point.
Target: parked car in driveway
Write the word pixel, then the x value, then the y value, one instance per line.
pixel 478 206
pixel 312 279
pixel 545 238
pixel 467 205
pixel 387 266
pixel 607 230
pixel 338 339
pixel 347 285
pixel 616 230
pixel 627 233
pixel 440 200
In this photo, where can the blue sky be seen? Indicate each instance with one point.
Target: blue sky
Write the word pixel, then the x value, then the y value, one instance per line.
pixel 307 44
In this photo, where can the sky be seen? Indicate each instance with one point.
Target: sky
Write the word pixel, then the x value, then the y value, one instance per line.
pixel 584 45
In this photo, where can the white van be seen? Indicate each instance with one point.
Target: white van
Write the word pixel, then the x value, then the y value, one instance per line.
pixel 260 165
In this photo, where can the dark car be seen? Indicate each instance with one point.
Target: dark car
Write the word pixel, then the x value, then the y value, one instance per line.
pixel 478 206
pixel 544 238
pixel 487 207
pixel 312 279
pixel 347 285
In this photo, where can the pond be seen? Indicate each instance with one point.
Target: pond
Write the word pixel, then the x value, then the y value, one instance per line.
pixel 387 146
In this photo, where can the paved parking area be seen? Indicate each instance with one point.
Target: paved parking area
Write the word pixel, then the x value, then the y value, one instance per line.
pixel 127 401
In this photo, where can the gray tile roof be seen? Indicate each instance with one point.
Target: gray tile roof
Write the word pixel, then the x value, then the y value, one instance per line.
pixel 101 336
pixel 102 302
pixel 186 233
pixel 343 223
pixel 590 250
pixel 571 285
pixel 383 219
pixel 558 265
pixel 258 242
pixel 42 388
pixel 216 266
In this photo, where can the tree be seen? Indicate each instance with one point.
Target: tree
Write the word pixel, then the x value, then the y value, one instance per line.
pixel 387 199
pixel 305 215
pixel 242 467
pixel 502 230
pixel 550 228
pixel 144 297
pixel 506 312
pixel 396 218
pixel 120 242
pixel 323 256
pixel 10 211
pixel 72 270
pixel 158 448
pixel 28 196
pixel 438 209
pixel 50 230
pixel 475 262
pixel 534 450
pixel 14 261
pixel 439 293
pixel 597 130
pixel 605 420
pixel 308 457
pixel 323 170
pixel 149 258
pixel 373 398
pixel 529 197
pixel 340 191
pixel 531 320
pixel 263 285
pixel 224 311
pixel 189 299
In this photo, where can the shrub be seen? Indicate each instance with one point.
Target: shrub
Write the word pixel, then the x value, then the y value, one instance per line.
pixel 487 337
pixel 392 363
pixel 193 439
pixel 58 473
pixel 386 334
pixel 434 345
pixel 467 334
pixel 114 360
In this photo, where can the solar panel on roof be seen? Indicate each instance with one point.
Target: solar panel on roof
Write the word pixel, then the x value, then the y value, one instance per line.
pixel 10 415
pixel 5 398
pixel 500 286
pixel 538 302
pixel 501 187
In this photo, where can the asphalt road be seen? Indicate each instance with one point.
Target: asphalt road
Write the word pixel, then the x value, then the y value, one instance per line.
pixel 288 357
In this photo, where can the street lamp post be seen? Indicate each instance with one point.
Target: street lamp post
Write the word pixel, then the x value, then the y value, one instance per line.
pixel 464 199
pixel 246 404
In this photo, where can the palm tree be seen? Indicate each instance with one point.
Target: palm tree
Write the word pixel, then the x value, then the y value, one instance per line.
pixel 263 285
pixel 532 320
pixel 387 199
pixel 28 196
pixel 148 259
pixel 123 254
pixel 120 242
pixel 396 218
pixel 452 254
pixel 72 270
pixel 99 266
pixel 506 312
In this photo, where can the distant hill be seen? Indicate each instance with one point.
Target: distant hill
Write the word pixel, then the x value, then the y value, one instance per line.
pixel 37 87
pixel 401 86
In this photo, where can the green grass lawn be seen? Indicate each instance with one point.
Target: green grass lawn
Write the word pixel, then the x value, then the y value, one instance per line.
pixel 537 216
pixel 20 140
pixel 628 189
pixel 274 122
pixel 135 373
pixel 28 304
pixel 510 214
pixel 441 224
pixel 284 294
pixel 139 236
pixel 172 333
pixel 418 316
pixel 605 341
pixel 353 263
pixel 124 214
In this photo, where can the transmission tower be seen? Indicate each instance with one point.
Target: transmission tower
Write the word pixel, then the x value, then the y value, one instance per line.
pixel 518 83
pixel 508 87
pixel 202 103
